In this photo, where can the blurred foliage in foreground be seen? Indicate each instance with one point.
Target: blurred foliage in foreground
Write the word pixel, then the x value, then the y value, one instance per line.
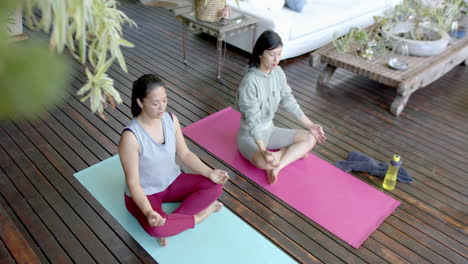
pixel 33 78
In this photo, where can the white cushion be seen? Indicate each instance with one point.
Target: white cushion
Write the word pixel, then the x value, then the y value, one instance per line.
pixel 269 5
pixel 320 14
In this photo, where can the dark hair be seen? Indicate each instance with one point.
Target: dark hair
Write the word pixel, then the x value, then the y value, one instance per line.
pixel 268 40
pixel 141 87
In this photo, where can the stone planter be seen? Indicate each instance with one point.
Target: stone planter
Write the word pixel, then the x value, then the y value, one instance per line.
pixel 423 48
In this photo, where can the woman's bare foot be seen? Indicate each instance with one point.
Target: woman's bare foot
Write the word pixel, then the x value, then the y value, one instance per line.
pixel 163 241
pixel 273 175
pixel 305 156
pixel 216 206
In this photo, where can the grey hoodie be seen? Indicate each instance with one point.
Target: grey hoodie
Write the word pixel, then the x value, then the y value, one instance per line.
pixel 258 98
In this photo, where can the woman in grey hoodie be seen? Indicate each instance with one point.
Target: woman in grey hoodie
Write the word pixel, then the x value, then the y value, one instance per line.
pixel 263 89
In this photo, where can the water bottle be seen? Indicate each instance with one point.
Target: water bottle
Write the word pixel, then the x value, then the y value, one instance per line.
pixel 392 172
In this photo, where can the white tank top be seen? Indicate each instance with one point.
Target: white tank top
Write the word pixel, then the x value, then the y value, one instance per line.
pixel 157 162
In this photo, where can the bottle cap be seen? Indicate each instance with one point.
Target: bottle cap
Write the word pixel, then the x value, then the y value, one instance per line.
pixel 396 157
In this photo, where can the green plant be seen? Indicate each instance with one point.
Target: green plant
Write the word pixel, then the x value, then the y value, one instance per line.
pixel 92 32
pixel 421 14
pixel 356 38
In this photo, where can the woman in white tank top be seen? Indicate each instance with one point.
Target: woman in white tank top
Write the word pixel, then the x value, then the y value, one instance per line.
pixel 148 149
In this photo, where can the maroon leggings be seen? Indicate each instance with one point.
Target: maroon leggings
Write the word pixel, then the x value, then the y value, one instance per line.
pixel 195 192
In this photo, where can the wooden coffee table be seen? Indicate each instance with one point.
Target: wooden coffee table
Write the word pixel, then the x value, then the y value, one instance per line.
pixel 421 71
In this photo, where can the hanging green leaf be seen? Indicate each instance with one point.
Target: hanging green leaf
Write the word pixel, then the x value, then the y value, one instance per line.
pixel 95 28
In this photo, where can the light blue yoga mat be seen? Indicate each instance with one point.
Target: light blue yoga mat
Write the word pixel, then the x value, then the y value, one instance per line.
pixel 222 238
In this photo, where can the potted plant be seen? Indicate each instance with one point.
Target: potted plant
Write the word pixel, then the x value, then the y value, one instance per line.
pixel 33 78
pixel 422 24
pixel 209 10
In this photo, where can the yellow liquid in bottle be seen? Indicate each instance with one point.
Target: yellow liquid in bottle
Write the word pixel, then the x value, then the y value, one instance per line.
pixel 390 178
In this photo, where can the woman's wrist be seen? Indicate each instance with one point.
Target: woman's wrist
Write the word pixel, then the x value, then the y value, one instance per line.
pixel 147 213
pixel 208 172
pixel 306 122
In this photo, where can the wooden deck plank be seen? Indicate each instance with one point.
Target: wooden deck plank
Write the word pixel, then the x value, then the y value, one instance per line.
pixel 62 195
pixel 45 212
pixel 440 250
pixel 36 228
pixel 5 256
pixel 13 239
pixel 8 207
pixel 437 235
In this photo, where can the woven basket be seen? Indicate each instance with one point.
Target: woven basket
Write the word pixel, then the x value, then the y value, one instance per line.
pixel 209 11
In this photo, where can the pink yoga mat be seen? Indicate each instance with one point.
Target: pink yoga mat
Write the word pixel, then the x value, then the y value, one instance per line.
pixel 336 200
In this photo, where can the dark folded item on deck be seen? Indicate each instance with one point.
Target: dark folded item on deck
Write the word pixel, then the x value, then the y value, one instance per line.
pixel 357 161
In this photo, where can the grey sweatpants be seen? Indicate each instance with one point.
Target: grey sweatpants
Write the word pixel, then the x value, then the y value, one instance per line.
pixel 273 137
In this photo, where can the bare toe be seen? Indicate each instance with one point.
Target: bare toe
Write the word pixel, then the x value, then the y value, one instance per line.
pixel 271 176
pixel 218 206
pixel 163 241
pixel 305 156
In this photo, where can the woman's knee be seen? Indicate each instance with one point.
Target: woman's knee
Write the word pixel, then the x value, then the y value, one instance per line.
pixel 175 224
pixel 218 189
pixel 208 184
pixel 307 138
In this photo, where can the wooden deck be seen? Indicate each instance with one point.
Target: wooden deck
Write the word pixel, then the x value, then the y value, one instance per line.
pixel 47 216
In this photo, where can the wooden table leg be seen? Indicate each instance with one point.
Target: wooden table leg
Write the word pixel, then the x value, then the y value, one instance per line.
pixel 399 104
pixel 219 48
pixel 326 74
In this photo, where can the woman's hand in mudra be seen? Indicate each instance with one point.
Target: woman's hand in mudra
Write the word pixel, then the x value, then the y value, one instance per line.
pixel 218 176
pixel 155 219
pixel 317 132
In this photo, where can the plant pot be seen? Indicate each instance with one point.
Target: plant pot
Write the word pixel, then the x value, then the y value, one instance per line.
pixel 423 48
pixel 209 10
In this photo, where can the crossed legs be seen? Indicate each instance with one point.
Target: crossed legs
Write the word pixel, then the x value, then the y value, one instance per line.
pixel 303 142
pixel 197 195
